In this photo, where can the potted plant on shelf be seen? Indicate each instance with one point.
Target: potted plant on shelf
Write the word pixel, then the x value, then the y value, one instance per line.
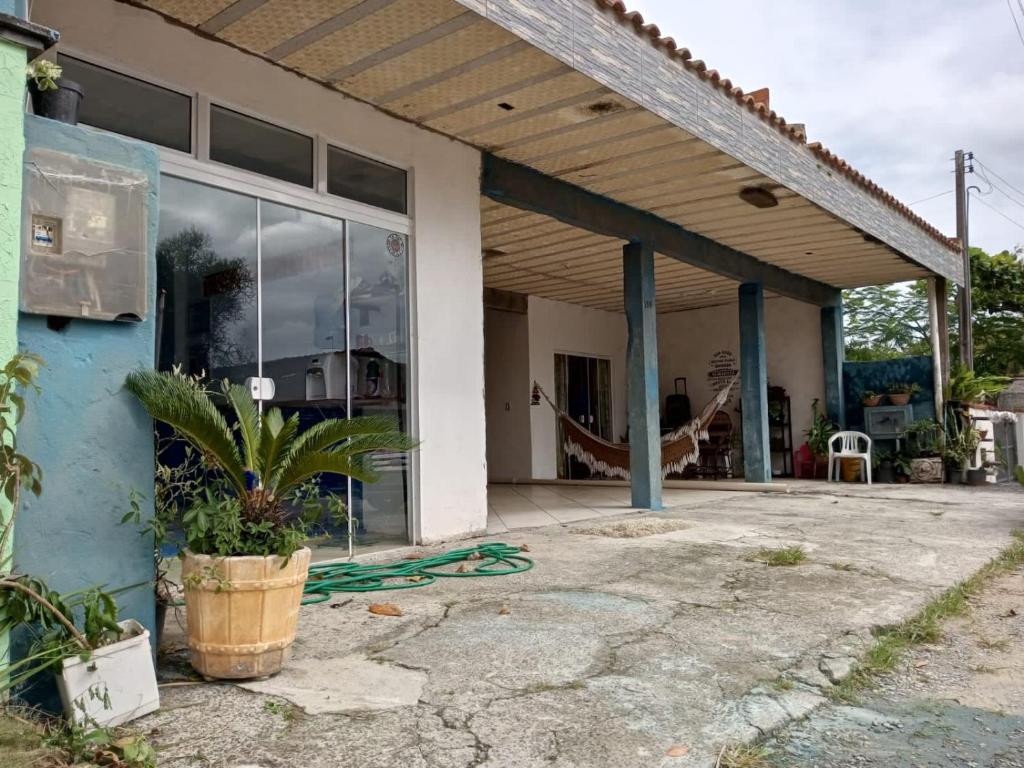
pixel 870 399
pixel 104 668
pixel 245 526
pixel 900 392
pixel 53 95
pixel 966 387
pixel 818 436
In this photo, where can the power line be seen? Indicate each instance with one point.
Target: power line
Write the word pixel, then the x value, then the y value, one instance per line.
pixel 1015 22
pixel 1015 189
pixel 997 211
pixel 926 199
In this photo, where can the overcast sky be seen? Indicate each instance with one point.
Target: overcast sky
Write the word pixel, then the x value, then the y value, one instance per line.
pixel 892 87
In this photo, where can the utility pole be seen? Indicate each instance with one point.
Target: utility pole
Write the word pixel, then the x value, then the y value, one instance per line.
pixel 963 166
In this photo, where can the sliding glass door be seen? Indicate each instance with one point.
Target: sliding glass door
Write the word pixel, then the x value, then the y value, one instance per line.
pixel 317 304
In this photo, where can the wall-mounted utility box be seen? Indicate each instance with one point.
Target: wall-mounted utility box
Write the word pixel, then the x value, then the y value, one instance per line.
pixel 84 240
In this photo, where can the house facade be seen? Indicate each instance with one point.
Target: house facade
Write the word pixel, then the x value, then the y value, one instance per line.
pixel 421 208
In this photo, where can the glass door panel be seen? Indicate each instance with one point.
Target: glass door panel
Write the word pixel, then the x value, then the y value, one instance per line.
pixel 379 340
pixel 302 301
pixel 207 270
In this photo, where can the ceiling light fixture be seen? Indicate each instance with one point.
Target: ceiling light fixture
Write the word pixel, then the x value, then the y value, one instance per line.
pixel 758 197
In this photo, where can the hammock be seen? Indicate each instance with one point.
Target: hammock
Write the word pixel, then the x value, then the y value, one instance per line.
pixel 678 448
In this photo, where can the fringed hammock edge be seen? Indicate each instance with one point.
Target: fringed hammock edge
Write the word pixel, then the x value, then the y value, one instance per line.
pixel 678 448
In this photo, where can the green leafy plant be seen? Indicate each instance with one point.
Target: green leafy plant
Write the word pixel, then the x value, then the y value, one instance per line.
pixel 903 388
pixel 82 744
pixel 962 441
pixel 966 386
pixel 45 74
pixel 820 431
pixel 254 496
pixel 27 601
pixel 925 438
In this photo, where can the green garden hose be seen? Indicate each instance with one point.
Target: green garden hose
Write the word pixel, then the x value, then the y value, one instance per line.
pixel 492 559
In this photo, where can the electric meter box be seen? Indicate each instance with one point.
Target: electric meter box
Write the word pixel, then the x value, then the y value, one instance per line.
pixel 84 244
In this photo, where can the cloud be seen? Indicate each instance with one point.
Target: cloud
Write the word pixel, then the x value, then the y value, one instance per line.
pixel 894 88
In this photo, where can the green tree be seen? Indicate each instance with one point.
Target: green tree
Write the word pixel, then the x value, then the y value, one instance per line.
pixel 883 322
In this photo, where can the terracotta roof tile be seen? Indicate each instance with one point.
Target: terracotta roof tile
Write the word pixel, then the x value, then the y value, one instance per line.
pixel 757 102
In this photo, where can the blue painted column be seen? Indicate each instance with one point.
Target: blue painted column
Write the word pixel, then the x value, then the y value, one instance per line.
pixel 832 350
pixel 757 464
pixel 642 375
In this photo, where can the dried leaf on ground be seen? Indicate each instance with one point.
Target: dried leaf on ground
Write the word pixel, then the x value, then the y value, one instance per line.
pixel 385 609
pixel 463 568
pixel 505 611
pixel 416 578
pixel 475 556
pixel 415 556
pixel 524 547
pixel 679 750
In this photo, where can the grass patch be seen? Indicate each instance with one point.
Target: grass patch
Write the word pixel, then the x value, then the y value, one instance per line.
pixel 22 742
pixel 782 684
pixel 925 625
pixel 281 708
pixel 743 756
pixel 779 556
pixel 993 644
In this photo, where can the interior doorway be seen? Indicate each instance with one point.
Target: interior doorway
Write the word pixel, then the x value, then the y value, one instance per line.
pixel 583 389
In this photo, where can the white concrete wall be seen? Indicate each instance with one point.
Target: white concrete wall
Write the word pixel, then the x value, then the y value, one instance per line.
pixel 447 272
pixel 568 328
pixel 688 340
pixel 508 386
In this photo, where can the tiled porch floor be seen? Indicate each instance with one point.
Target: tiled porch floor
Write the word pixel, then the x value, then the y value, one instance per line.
pixel 510 507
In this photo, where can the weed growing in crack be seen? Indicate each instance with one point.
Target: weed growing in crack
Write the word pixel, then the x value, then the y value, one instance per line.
pixel 993 643
pixel 286 711
pixel 842 566
pixel 782 684
pixel 925 625
pixel 743 756
pixel 780 556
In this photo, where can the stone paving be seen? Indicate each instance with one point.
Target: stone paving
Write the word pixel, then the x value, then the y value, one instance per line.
pixel 614 651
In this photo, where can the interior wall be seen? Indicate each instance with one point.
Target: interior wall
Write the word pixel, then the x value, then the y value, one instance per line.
pixel 507 395
pixel 447 332
pixel 558 327
pixel 688 343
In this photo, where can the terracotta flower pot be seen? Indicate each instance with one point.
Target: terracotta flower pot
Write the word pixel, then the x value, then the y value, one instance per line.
pixel 871 402
pixel 901 398
pixel 242 612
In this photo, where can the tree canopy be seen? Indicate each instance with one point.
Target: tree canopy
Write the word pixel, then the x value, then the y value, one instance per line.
pixel 882 322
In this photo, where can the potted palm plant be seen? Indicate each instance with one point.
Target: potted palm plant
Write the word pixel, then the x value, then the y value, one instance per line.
pixel 247 522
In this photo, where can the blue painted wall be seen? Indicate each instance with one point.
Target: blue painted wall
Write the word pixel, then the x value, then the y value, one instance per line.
pixel 93 441
pixel 877 375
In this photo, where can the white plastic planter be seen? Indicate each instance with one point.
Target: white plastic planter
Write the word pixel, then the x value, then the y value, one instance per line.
pixel 121 674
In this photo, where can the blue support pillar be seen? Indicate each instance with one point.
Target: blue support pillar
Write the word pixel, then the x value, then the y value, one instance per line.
pixel 757 464
pixel 642 375
pixel 832 350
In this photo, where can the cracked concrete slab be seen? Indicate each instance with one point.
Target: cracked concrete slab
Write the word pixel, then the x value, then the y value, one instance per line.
pixel 346 684
pixel 611 652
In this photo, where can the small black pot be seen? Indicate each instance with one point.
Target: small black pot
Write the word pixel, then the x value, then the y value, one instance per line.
pixel 977 476
pixel 885 472
pixel 955 474
pixel 61 104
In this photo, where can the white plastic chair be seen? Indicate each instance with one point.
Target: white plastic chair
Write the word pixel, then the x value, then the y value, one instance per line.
pixel 850 449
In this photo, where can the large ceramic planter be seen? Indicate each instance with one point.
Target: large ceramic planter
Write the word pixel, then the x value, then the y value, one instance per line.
pixel 242 612
pixel 115 684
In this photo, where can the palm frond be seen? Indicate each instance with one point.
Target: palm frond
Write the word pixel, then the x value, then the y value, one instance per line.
pixel 276 440
pixel 312 463
pixel 248 425
pixel 177 402
pixel 331 431
pixel 373 442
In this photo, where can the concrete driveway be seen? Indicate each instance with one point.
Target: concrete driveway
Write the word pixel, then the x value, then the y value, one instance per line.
pixel 655 650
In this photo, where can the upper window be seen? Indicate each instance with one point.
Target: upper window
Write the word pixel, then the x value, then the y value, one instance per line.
pixel 131 107
pixel 261 147
pixel 368 181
